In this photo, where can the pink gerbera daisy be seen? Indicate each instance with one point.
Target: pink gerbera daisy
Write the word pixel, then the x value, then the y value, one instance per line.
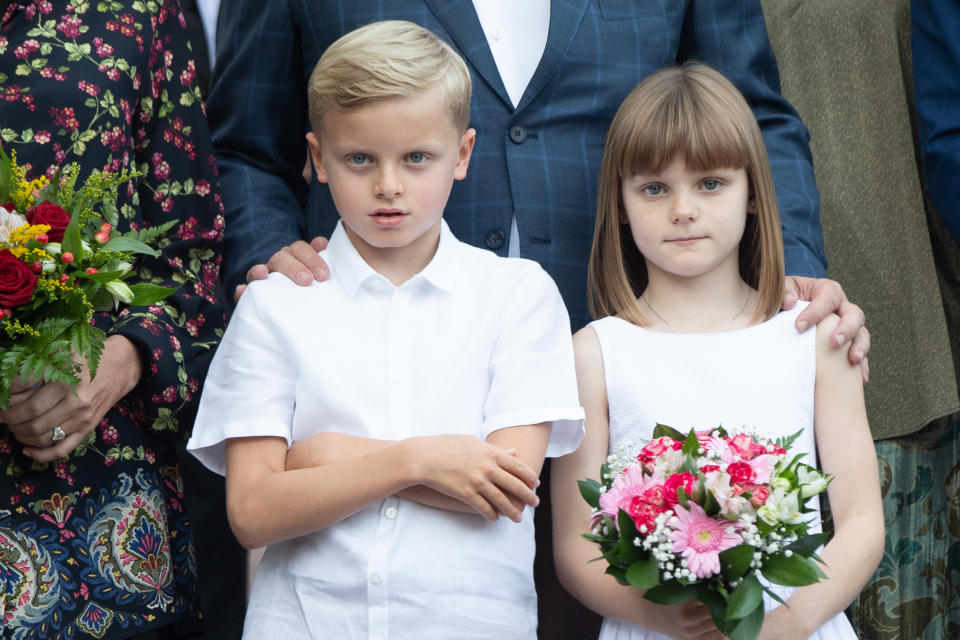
pixel 700 539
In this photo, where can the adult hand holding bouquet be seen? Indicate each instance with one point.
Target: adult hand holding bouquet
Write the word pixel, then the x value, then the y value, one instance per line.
pixel 60 261
pixel 703 516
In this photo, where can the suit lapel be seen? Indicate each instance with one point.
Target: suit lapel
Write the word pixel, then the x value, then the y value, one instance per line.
pixel 565 19
pixel 461 22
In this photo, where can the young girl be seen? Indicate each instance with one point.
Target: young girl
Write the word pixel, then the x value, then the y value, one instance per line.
pixel 686 276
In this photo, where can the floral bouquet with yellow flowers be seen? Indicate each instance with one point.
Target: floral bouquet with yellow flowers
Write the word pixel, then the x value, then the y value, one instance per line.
pixel 60 261
pixel 703 516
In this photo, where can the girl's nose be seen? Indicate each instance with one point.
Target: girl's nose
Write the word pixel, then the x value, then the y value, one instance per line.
pixel 683 209
pixel 388 184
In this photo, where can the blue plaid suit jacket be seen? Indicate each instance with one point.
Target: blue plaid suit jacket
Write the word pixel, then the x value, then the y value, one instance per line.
pixel 539 161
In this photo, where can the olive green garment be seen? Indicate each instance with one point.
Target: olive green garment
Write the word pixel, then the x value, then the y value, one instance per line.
pixel 846 68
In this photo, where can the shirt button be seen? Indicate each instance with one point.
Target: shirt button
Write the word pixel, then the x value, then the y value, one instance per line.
pixel 518 134
pixel 390 512
pixel 495 238
pixel 375 578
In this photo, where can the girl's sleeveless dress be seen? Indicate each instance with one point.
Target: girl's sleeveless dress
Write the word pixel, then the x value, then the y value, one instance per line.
pixel 759 379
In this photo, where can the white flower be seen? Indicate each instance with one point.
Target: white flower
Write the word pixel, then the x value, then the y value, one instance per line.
pixel 120 291
pixel 9 220
pixel 812 481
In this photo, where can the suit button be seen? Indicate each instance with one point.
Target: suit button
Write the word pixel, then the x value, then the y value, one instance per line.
pixel 495 238
pixel 518 134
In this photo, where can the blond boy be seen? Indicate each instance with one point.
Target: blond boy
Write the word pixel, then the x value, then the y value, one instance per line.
pixel 383 431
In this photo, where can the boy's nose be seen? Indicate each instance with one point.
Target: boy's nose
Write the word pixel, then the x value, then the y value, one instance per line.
pixel 388 184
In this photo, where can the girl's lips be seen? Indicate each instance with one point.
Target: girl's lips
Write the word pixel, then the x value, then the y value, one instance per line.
pixel 683 242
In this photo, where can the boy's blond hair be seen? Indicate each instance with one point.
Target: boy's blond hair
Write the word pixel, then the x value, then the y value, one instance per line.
pixel 388 59
pixel 693 113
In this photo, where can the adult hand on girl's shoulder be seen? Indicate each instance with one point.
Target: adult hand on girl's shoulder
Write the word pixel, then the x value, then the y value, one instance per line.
pixel 298 261
pixel 826 297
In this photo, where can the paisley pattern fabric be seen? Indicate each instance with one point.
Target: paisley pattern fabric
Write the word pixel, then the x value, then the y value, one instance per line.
pixel 98 544
pixel 915 592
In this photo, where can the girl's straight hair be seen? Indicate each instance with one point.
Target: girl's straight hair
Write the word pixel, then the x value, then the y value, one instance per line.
pixel 693 113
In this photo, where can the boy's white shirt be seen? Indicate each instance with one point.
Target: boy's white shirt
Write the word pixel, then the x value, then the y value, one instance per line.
pixel 471 344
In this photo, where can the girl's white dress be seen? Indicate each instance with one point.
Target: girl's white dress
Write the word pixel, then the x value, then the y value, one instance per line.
pixel 759 379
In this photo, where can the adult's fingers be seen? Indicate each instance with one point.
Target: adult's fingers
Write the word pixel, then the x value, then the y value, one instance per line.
pixel 319 243
pixel 58 450
pixel 858 353
pixel 299 262
pixel 500 502
pixel 513 486
pixel 852 320
pixel 28 412
pixel 825 296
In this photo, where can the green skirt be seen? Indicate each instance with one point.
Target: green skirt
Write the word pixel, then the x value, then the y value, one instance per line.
pixel 915 592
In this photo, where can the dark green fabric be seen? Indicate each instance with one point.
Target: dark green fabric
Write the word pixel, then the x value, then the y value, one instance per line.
pixel 915 592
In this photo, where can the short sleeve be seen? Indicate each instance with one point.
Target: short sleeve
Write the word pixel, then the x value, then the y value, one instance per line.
pixel 251 387
pixel 533 378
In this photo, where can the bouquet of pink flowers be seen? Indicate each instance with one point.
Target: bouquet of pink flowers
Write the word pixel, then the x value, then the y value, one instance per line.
pixel 61 259
pixel 699 516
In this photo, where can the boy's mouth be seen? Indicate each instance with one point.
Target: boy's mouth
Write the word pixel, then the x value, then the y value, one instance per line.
pixel 388 217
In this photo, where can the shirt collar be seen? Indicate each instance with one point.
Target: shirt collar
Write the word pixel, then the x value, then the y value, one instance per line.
pixel 353 270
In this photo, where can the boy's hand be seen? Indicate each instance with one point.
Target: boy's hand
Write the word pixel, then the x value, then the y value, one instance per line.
pixel 826 297
pixel 298 261
pixel 489 479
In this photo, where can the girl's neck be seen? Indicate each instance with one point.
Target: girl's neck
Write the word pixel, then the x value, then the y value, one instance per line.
pixel 698 305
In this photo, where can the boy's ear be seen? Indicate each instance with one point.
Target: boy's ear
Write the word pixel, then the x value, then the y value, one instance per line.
pixel 467 141
pixel 314 145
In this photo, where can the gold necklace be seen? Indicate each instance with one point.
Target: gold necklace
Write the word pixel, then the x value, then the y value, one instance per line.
pixel 669 326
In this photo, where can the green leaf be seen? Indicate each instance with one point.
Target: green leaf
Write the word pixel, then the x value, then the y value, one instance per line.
pixel 102 276
pixel 626 550
pixel 807 546
pixel 126 243
pixel 735 561
pixel 745 598
pixel 710 504
pixel 673 592
pixel 748 628
pixel 663 431
pixel 716 601
pixel 691 444
pixel 590 490
pixel 793 571
pixel 144 294
pixel 618 573
pixel 71 236
pixel 644 574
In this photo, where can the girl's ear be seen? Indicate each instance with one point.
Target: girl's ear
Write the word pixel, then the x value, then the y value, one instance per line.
pixel 622 217
pixel 751 205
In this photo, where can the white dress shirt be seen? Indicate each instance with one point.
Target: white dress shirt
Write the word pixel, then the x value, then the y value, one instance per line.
pixel 516 32
pixel 472 344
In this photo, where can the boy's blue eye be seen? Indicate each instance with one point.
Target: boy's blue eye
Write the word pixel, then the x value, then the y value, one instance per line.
pixel 653 190
pixel 711 184
pixel 416 157
pixel 357 159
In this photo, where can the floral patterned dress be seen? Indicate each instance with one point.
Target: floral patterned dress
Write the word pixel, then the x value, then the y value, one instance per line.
pixel 98 544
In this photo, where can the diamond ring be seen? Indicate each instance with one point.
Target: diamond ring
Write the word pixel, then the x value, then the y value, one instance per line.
pixel 58 434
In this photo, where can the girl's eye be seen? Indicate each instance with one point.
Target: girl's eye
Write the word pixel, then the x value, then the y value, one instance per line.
pixel 711 184
pixel 653 190
pixel 357 159
pixel 417 157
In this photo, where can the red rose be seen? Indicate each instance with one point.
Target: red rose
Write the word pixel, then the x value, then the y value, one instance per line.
pixel 676 482
pixel 644 514
pixel 740 472
pixel 51 214
pixel 17 280
pixel 758 495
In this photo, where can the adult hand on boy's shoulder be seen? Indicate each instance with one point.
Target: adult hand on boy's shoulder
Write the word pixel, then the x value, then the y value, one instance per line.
pixel 298 261
pixel 826 296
